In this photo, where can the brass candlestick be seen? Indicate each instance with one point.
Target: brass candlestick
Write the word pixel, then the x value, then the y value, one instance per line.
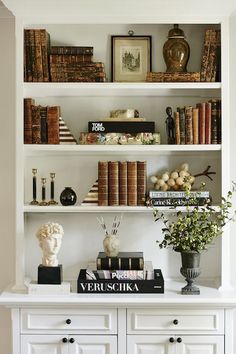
pixel 34 201
pixel 43 202
pixel 52 184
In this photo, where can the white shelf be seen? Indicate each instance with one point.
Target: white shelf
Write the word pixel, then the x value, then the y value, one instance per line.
pixel 35 149
pixel 201 89
pixel 97 209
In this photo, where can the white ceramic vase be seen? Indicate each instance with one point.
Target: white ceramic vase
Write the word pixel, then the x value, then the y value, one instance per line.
pixel 111 245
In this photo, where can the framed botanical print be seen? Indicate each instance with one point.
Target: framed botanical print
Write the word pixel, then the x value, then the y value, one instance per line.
pixel 131 58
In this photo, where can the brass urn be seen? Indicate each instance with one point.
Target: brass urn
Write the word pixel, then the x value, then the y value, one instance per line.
pixel 176 51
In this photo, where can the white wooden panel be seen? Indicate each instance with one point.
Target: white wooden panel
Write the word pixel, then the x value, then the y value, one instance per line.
pixel 93 345
pixel 190 321
pixel 38 344
pixel 149 345
pixel 200 345
pixel 89 321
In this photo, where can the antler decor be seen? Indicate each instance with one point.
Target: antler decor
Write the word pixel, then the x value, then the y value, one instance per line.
pixel 206 173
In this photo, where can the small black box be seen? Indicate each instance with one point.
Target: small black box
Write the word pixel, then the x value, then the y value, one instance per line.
pixel 49 275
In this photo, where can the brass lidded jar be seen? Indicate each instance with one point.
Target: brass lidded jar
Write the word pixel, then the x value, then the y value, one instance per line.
pixel 176 51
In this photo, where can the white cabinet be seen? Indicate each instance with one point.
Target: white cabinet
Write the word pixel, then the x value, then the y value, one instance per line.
pixel 150 344
pixel 57 344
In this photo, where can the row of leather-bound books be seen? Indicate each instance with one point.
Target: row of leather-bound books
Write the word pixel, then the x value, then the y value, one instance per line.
pixel 122 183
pixel 200 124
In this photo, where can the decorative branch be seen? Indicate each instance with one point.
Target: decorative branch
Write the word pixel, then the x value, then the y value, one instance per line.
pixel 206 173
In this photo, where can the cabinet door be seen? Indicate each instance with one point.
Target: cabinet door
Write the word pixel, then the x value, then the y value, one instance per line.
pixel 92 344
pixel 46 344
pixel 200 345
pixel 149 344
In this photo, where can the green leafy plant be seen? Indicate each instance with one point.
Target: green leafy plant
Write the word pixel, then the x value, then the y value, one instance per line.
pixel 197 226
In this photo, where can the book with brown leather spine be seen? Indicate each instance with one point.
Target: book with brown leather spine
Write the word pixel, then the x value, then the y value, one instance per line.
pixel 36 125
pixel 182 126
pixel 122 182
pixel 195 126
pixel 211 67
pixel 45 47
pixel 72 50
pixel 213 121
pixel 189 125
pixel 28 102
pixel 173 77
pixel 132 182
pixel 177 128
pixel 202 118
pixel 103 183
pixel 69 58
pixel 205 54
pixel 38 60
pixel 208 123
pixel 53 115
pixel 113 183
pixel 44 125
pixel 141 182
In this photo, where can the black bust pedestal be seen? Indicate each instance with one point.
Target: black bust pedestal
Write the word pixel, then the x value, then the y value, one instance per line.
pixel 49 275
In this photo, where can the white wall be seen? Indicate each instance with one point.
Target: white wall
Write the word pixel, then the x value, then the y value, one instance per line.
pixel 7 171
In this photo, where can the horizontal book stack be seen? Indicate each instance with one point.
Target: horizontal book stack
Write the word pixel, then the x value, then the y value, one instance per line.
pixel 43 125
pixel 126 273
pixel 119 138
pixel 74 64
pixel 36 55
pixel 211 57
pixel 178 198
pixel 122 183
pixel 200 124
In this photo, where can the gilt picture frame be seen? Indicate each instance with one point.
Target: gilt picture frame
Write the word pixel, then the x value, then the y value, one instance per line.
pixel 131 58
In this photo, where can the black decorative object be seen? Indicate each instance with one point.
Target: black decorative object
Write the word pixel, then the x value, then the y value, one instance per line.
pixel 49 275
pixel 34 201
pixel 43 201
pixel 68 196
pixel 52 185
pixel 190 270
pixel 170 126
pixel 176 51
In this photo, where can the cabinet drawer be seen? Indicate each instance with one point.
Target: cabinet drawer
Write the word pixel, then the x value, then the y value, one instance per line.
pixel 154 321
pixel 86 321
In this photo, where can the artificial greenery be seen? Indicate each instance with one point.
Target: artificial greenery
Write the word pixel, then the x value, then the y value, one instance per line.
pixel 197 226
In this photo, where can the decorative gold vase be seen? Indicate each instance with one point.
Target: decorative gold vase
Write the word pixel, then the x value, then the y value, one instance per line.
pixel 176 51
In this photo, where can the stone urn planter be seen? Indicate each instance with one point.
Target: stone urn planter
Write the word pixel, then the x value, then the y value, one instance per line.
pixel 190 270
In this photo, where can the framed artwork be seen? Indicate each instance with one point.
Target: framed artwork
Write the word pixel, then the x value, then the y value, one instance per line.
pixel 131 58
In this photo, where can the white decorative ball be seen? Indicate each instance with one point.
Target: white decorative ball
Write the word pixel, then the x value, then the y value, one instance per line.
pixel 153 179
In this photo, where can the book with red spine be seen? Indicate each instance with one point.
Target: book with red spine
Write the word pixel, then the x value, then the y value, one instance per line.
pixel 53 115
pixel 202 121
pixel 177 128
pixel 214 122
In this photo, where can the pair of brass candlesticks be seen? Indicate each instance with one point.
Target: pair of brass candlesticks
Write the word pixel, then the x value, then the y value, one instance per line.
pixel 43 202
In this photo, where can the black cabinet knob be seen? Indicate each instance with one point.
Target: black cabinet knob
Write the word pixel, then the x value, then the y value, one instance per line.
pixel 175 322
pixel 179 340
pixel 68 321
pixel 71 340
pixel 171 340
pixel 64 340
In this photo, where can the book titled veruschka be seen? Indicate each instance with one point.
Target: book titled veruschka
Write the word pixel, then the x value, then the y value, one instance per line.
pixel 124 261
pixel 121 127
pixel 126 286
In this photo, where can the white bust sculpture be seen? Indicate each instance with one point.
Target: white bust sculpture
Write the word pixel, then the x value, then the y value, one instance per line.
pixel 50 236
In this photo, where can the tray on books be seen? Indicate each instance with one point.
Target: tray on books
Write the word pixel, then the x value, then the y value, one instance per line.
pixel 122 286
